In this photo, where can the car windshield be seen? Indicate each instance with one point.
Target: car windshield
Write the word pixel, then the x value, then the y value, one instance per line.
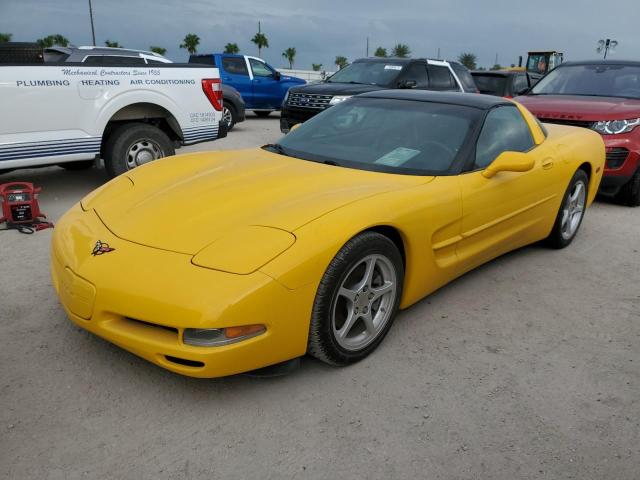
pixel 490 84
pixel 394 136
pixel 599 80
pixel 368 73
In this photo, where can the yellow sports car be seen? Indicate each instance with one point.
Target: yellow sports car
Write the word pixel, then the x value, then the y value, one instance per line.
pixel 216 263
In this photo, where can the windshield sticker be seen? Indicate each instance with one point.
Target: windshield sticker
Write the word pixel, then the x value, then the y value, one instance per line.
pixel 397 157
pixel 393 67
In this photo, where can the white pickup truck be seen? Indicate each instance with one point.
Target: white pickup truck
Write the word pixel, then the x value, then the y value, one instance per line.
pixel 128 114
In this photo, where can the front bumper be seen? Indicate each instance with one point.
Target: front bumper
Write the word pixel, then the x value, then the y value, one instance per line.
pixel 615 177
pixel 142 299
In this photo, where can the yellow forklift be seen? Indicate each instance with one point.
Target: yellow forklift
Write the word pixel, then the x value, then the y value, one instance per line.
pixel 540 61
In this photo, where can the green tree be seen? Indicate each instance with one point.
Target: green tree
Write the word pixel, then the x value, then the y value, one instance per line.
pixel 261 40
pixel 290 55
pixel 316 67
pixel 468 59
pixel 111 44
pixel 401 51
pixel 51 40
pixel 5 37
pixel 231 48
pixel 380 52
pixel 496 66
pixel 190 43
pixel 158 50
pixel 341 62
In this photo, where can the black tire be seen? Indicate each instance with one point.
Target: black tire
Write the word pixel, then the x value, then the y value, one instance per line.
pixel 556 238
pixel 322 342
pixel 629 194
pixel 79 165
pixel 234 115
pixel 126 136
pixel 262 113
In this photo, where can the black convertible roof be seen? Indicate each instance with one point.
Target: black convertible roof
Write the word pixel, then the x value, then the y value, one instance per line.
pixel 483 102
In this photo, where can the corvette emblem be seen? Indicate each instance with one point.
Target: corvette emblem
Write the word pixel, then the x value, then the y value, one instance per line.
pixel 100 248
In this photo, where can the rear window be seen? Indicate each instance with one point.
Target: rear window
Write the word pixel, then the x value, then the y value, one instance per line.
pixel 465 77
pixel 490 84
pixel 203 59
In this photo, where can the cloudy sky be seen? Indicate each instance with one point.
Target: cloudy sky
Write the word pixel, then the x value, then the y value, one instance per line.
pixel 320 30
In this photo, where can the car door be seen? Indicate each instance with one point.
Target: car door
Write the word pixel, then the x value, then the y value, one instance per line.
pixel 234 72
pixel 267 92
pixel 510 209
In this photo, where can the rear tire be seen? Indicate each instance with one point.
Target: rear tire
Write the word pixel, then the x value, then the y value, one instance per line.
pixel 629 194
pixel 229 114
pixel 133 144
pixel 571 212
pixel 79 165
pixel 357 300
pixel 262 113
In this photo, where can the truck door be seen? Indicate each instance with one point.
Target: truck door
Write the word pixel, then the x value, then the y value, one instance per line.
pixel 234 72
pixel 267 90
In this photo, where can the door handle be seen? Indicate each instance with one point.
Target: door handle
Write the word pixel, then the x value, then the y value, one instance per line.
pixel 547 163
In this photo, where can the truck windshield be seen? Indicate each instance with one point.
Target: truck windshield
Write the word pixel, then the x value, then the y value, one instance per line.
pixel 386 135
pixel 368 73
pixel 598 80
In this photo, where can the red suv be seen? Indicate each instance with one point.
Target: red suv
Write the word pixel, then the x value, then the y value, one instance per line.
pixel 603 96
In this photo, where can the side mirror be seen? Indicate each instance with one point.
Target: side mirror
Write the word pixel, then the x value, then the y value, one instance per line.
pixel 509 162
pixel 277 76
pixel 407 84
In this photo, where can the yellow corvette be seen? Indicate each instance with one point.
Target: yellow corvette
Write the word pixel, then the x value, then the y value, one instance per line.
pixel 216 263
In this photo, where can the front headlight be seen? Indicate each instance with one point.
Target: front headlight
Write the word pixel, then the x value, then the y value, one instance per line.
pixel 615 127
pixel 338 99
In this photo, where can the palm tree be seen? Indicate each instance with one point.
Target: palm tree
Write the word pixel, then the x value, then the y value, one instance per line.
pixel 158 50
pixel 316 67
pixel 468 59
pixel 341 62
pixel 5 37
pixel 497 66
pixel 51 40
pixel 380 52
pixel 290 55
pixel 190 42
pixel 261 40
pixel 231 48
pixel 111 44
pixel 401 51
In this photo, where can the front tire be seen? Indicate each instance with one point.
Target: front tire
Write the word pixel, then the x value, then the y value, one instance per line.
pixel 571 213
pixel 357 300
pixel 134 144
pixel 262 113
pixel 629 194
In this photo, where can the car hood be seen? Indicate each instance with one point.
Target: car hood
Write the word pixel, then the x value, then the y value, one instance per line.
pixel 331 88
pixel 585 108
pixel 185 203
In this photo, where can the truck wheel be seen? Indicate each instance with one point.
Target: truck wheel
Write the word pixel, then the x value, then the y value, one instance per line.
pixel 134 144
pixel 629 194
pixel 79 165
pixel 229 115
pixel 262 113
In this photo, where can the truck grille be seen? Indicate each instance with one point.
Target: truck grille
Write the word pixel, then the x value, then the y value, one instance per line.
pixel 309 100
pixel 616 157
pixel 567 121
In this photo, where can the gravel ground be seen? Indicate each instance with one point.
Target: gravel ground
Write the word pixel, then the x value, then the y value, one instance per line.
pixel 528 367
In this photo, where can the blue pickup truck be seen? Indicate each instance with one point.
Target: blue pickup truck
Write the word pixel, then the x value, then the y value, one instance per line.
pixel 262 87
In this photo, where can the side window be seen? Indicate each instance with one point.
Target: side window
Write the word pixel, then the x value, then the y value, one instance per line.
pixel 519 84
pixel 235 65
pixel 416 72
pixel 93 60
pixel 441 79
pixel 260 69
pixel 107 60
pixel 465 77
pixel 504 130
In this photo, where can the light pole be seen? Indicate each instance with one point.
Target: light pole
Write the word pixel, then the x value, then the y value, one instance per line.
pixel 606 45
pixel 93 32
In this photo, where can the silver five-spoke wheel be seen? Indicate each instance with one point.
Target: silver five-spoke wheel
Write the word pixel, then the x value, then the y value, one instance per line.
pixel 573 209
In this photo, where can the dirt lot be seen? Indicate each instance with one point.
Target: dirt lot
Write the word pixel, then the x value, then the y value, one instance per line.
pixel 526 368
